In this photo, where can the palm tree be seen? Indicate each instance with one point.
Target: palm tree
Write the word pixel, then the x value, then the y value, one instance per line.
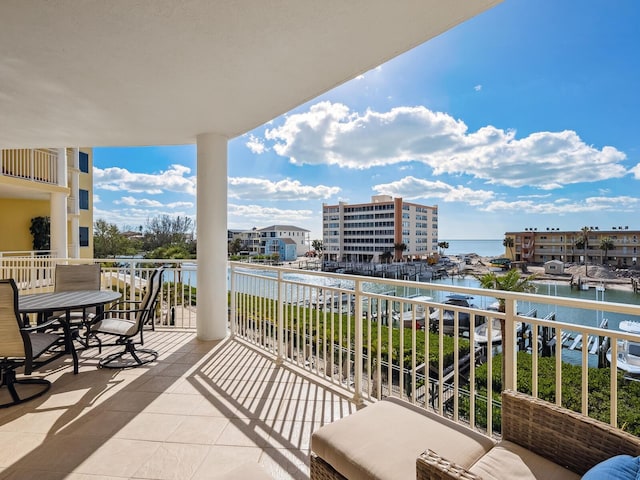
pixel 386 257
pixel 399 247
pixel 443 246
pixel 510 282
pixel 606 244
pixel 509 243
pixel 585 238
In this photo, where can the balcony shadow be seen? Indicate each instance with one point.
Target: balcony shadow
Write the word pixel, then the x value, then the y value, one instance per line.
pixel 272 408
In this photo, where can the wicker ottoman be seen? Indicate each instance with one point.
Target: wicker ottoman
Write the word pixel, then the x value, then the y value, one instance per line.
pixel 383 441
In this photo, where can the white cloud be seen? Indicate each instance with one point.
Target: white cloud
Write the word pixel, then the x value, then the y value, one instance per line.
pixel 564 206
pixel 241 216
pixel 329 133
pixel 287 189
pixel 411 188
pixel 175 179
pixel 145 202
pixel 256 145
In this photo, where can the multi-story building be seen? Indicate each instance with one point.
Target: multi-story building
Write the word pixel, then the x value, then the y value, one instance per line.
pixel 539 246
pixel 364 232
pixel 276 239
pixel 51 183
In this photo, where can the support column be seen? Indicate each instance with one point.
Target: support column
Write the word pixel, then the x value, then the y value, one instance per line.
pixel 75 207
pixel 211 224
pixel 58 209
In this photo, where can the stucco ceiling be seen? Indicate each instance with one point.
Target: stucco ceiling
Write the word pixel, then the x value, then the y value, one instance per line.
pixel 154 72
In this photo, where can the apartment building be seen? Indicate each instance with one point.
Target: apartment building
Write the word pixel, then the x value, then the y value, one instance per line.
pixel 541 245
pixel 52 183
pixel 364 232
pixel 288 241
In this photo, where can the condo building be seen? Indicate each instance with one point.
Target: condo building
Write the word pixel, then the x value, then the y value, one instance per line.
pixel 539 246
pixel 52 184
pixel 364 232
pixel 288 241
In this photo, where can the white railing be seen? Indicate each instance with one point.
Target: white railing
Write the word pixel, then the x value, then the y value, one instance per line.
pixel 36 273
pixel 39 165
pixel 346 330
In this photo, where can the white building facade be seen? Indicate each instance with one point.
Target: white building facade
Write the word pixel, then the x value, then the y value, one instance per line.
pixel 259 241
pixel 364 232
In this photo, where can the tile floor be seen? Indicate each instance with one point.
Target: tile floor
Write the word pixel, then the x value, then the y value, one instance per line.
pixel 202 409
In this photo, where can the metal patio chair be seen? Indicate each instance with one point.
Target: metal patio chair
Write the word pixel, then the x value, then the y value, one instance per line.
pixel 22 346
pixel 126 323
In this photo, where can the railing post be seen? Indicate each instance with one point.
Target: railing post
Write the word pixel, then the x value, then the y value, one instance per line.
pixel 232 306
pixel 358 357
pixel 509 346
pixel 280 319
pixel 132 279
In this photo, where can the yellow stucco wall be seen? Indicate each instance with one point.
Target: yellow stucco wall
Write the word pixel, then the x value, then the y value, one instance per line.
pixel 85 182
pixel 15 218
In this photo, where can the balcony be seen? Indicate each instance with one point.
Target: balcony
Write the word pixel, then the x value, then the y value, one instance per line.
pixel 305 349
pixel 200 410
pixel 37 165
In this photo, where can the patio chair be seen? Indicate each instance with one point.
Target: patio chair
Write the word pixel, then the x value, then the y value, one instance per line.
pixel 71 278
pixel 22 346
pixel 126 323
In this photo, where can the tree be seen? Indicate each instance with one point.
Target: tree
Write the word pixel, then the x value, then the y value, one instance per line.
pixel 509 282
pixel 399 248
pixel 41 232
pixel 165 230
pixel 509 243
pixel 606 244
pixel 585 238
pixel 235 246
pixel 109 242
pixel 317 246
pixel 386 257
pixel 443 246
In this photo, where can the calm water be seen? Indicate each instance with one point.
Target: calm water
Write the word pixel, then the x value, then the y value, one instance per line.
pixel 484 248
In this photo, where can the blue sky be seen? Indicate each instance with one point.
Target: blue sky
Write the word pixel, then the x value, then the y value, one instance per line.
pixel 525 116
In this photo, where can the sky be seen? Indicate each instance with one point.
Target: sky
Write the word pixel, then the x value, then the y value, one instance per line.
pixel 524 116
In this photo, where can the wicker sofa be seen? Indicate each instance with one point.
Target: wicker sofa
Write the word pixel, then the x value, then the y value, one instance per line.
pixel 393 439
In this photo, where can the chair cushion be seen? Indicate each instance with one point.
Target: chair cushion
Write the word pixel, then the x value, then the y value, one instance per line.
pixel 115 326
pixel 383 441
pixel 508 460
pixel 622 467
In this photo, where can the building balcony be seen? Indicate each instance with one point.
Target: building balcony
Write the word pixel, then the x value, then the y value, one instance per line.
pixel 303 350
pixel 36 165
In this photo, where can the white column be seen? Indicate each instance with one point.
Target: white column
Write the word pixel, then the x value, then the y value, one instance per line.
pixel 211 224
pixel 58 209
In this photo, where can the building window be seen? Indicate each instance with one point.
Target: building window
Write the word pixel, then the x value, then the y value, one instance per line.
pixel 84 162
pixel 84 236
pixel 83 199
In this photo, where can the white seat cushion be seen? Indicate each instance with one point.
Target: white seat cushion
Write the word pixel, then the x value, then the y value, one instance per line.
pixel 510 461
pixel 115 326
pixel 383 441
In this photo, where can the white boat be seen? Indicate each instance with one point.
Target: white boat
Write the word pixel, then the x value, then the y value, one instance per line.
pixel 628 352
pixel 420 313
pixel 448 316
pixel 481 332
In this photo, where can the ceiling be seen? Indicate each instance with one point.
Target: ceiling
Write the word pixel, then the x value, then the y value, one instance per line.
pixel 157 72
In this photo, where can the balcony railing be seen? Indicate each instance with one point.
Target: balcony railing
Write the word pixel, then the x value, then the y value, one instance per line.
pixel 373 337
pixel 39 165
